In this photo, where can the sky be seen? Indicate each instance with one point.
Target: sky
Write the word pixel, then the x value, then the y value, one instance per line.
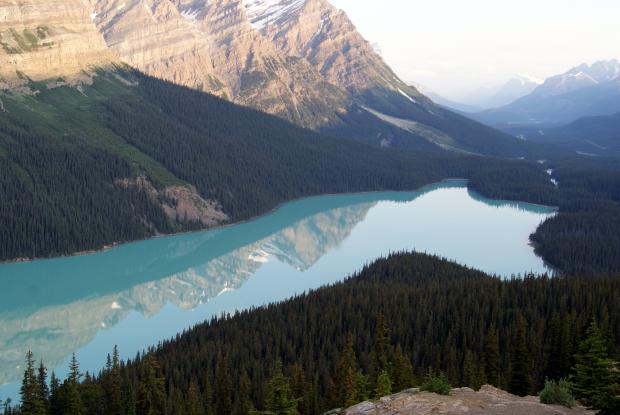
pixel 456 47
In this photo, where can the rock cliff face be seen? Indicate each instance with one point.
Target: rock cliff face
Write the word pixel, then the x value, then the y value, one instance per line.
pixel 211 46
pixel 488 401
pixel 300 59
pixel 325 37
pixel 43 40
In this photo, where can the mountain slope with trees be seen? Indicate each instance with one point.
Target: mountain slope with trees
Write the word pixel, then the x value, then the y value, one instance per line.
pixel 409 319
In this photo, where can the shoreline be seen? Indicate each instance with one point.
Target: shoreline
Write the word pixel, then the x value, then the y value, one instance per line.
pixel 116 244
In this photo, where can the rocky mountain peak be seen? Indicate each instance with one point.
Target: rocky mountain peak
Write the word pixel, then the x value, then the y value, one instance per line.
pixel 581 76
pixel 43 40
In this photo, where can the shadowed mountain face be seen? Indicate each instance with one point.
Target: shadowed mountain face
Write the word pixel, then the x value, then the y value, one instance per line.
pixel 589 135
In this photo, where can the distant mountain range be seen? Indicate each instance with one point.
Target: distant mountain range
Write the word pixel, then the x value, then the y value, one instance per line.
pixel 513 89
pixel 586 90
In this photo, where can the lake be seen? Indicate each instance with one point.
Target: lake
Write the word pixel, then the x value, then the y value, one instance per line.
pixel 140 293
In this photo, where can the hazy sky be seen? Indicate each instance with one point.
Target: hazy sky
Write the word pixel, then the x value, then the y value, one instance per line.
pixel 457 46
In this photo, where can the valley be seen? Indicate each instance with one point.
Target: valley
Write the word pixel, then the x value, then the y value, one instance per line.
pixel 179 281
pixel 249 211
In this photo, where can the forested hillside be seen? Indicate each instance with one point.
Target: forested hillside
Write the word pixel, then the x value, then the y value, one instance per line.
pixel 380 331
pixel 90 166
pixel 584 238
pixel 114 161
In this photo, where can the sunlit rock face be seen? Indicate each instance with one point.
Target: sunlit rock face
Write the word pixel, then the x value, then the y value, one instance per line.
pixel 302 60
pixel 47 40
pixel 211 46
pixel 325 37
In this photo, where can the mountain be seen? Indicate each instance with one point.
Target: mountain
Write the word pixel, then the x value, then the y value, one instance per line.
pixel 586 90
pixel 94 152
pixel 445 102
pixel 302 60
pixel 44 40
pixel 503 94
pixel 589 135
pixel 513 89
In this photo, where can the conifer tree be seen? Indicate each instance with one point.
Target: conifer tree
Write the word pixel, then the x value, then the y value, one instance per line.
pixel 176 402
pixel 73 404
pixel 194 404
pixel 223 389
pixel 380 356
pixel 362 386
pixel 403 371
pixel 43 391
pixel 384 385
pixel 492 357
pixel 596 379
pixel 129 402
pixel 32 403
pixel 470 372
pixel 244 400
pixel 151 398
pixel 520 367
pixel 279 397
pixel 344 393
pixel 55 398
pixel 112 385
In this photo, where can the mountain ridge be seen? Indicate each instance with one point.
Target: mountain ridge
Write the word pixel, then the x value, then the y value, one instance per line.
pixel 585 90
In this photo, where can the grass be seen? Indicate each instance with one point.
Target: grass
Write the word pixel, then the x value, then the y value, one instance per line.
pixel 81 115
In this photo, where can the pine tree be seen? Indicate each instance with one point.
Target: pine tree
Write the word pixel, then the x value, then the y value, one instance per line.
pixel 129 403
pixel 30 392
pixel 112 385
pixel 470 372
pixel 176 403
pixel 380 356
pixel 384 385
pixel 223 389
pixel 244 399
pixel 194 405
pixel 362 386
pixel 43 389
pixel 492 357
pixel 279 397
pixel 403 371
pixel 56 403
pixel 344 388
pixel 595 381
pixel 73 404
pixel 151 391
pixel 520 369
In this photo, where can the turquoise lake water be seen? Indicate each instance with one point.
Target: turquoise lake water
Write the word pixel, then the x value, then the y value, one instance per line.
pixel 140 293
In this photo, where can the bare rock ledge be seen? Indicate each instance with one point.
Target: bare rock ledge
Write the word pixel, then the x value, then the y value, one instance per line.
pixel 488 401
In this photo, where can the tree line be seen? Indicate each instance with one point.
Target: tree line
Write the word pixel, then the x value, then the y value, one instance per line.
pixel 406 320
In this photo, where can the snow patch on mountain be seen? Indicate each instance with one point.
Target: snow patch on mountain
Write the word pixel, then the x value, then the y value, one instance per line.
pixel 190 14
pixel 262 13
pixel 407 96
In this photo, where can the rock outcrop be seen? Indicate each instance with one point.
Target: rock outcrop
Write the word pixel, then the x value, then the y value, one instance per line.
pixel 43 40
pixel 487 401
pixel 211 46
pixel 326 37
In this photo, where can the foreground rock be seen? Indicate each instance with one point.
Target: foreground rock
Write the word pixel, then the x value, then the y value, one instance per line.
pixel 488 400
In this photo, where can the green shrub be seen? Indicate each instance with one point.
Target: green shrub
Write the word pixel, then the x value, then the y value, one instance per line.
pixel 557 393
pixel 436 382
